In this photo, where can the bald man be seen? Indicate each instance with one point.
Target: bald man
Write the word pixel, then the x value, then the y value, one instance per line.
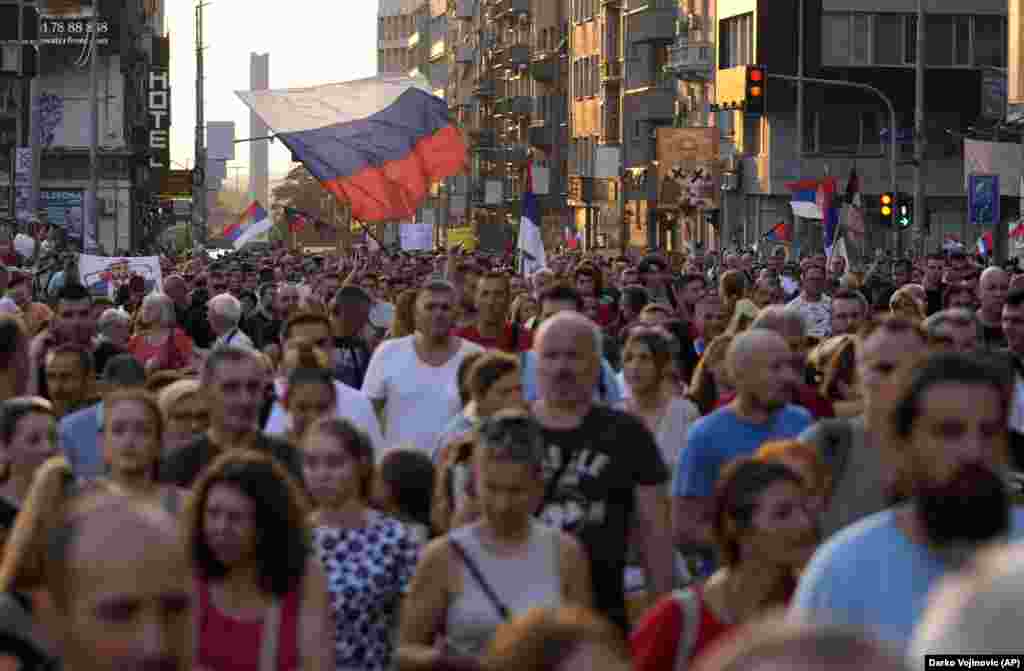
pixel 605 478
pixel 121 585
pixel 761 364
pixel 992 289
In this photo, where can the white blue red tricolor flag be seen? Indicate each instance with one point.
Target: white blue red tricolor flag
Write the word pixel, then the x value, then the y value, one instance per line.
pixel 985 243
pixel 252 222
pixel 816 199
pixel 531 243
pixel 376 143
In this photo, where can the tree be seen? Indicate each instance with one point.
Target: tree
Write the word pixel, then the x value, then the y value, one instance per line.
pixel 303 192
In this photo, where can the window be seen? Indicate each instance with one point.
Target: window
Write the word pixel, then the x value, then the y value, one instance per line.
pixel 752 135
pixel 939 40
pixel 859 49
pixel 962 40
pixel 888 43
pixel 844 130
pixel 989 41
pixel 736 41
pixel 835 39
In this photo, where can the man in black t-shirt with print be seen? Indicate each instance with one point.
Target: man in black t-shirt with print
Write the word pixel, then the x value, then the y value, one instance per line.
pixel 604 474
pixel 234 383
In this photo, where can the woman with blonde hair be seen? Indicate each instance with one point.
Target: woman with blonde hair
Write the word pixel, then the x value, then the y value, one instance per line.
pixel 405 315
pixel 737 309
pixel 906 303
pixel 184 413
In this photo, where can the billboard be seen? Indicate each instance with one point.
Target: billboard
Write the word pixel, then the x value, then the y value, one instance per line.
pixel 689 172
pixel 64 208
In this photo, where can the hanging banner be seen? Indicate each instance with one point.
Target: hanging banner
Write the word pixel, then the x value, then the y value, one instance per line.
pixel 463 236
pixel 104 275
pixel 416 237
pixel 983 200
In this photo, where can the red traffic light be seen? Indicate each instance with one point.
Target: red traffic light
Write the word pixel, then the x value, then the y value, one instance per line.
pixel 756 75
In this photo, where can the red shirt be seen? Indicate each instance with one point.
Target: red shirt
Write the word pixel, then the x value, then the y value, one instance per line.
pixel 806 396
pixel 655 641
pixel 504 343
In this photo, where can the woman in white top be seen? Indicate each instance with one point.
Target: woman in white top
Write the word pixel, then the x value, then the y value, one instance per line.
pixel 647 368
pixel 474 578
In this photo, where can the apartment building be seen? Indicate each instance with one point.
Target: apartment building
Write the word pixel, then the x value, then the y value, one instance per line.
pixel 506 88
pixel 872 42
pixel 637 66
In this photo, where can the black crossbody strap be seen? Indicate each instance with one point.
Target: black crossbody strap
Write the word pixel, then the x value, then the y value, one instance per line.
pixel 479 577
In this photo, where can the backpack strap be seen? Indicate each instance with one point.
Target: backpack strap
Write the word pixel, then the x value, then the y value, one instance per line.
pixel 689 602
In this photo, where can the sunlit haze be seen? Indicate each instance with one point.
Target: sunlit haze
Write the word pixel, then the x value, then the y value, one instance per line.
pixel 309 41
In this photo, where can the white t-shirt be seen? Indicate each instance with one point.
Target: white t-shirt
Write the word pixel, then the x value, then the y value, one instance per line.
pixel 352 405
pixel 421 399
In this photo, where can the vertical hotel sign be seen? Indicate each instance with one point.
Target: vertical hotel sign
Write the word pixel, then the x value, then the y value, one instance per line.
pixel 158 112
pixel 1015 76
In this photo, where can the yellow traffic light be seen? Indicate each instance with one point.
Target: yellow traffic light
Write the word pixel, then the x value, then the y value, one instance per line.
pixel 887 203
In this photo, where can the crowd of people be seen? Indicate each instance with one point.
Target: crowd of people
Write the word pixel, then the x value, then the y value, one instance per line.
pixel 428 462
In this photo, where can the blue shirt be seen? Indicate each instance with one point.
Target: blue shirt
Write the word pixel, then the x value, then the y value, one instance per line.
pixel 608 390
pixel 872 576
pixel 716 439
pixel 80 440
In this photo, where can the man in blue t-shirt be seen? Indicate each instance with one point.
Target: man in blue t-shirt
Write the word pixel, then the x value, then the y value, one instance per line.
pixel 762 368
pixel 878 572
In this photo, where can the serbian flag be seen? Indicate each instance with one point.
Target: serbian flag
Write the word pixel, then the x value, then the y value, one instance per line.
pixel 253 221
pixel 376 143
pixel 297 219
pixel 531 243
pixel 985 244
pixel 778 233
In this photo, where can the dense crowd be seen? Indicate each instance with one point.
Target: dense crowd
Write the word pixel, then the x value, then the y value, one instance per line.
pixel 377 461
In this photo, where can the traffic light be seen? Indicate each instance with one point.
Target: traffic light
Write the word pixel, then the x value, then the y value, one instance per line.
pixel 904 211
pixel 886 204
pixel 755 90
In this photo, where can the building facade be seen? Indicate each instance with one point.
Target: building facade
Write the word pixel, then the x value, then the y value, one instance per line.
pixel 134 119
pixel 507 87
pixel 872 42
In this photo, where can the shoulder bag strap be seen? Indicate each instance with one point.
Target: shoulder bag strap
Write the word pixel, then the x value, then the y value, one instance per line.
pixel 271 636
pixel 479 577
pixel 690 605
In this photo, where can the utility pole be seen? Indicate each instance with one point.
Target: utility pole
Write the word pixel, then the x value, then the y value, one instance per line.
pixel 199 214
pixel 920 216
pixel 799 113
pixel 92 221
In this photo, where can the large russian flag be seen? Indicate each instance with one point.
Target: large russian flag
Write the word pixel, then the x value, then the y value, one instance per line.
pixel 377 143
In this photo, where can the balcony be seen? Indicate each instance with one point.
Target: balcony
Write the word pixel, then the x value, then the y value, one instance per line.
pixel 465 54
pixel 611 71
pixel 655 24
pixel 656 102
pixel 690 60
pixel 543 67
pixel 484 88
pixel 483 137
pixel 518 54
pixel 515 7
pixel 465 9
pixel 520 106
pixel 438 49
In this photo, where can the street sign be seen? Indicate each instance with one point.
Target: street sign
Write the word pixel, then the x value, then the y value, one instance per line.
pixel 983 200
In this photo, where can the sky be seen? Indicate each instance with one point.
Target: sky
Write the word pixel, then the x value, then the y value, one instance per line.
pixel 309 41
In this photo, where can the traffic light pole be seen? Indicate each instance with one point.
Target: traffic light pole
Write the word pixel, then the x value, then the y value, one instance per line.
pixel 863 87
pixel 919 134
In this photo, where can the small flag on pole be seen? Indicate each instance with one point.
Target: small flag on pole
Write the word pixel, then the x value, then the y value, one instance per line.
pixel 778 233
